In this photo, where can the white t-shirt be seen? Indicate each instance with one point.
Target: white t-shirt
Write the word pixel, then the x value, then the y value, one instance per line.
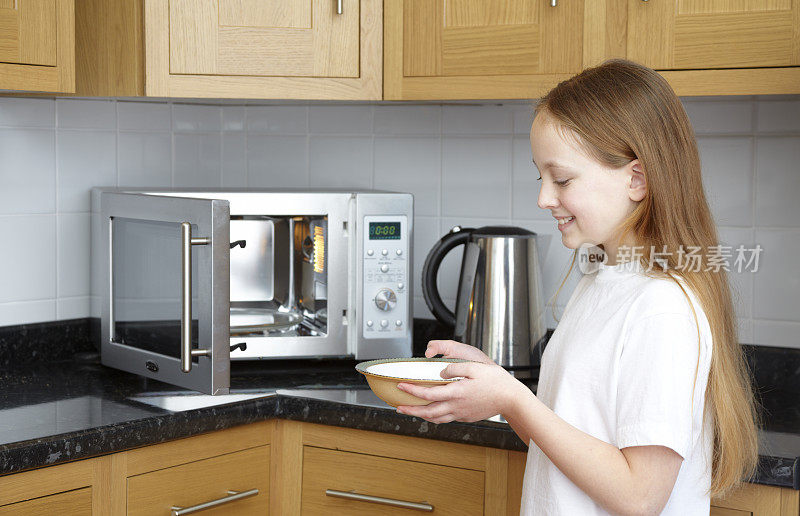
pixel 620 367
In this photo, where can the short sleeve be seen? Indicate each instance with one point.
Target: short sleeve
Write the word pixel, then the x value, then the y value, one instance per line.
pixel 656 381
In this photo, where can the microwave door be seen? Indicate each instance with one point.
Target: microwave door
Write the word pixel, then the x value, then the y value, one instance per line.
pixel 166 306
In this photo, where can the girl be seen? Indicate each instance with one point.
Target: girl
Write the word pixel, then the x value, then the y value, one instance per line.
pixel 644 404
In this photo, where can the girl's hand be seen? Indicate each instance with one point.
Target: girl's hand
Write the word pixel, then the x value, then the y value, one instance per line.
pixel 453 349
pixel 485 391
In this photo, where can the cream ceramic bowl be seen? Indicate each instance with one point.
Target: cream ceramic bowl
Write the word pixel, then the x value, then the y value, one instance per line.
pixel 384 375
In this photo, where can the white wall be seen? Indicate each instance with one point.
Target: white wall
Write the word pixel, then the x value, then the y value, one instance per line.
pixel 465 164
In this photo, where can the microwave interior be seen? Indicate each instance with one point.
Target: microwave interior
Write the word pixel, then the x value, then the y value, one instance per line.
pixel 278 280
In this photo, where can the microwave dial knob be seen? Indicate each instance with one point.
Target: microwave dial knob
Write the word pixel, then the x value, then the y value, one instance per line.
pixel 385 300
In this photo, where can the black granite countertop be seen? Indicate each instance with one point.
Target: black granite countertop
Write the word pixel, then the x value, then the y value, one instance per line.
pixel 58 404
pixel 62 411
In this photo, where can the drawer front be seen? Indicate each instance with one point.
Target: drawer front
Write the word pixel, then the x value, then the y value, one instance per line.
pixel 204 481
pixel 71 503
pixel 449 490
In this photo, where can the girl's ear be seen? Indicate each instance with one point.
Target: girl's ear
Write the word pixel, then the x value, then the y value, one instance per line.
pixel 638 185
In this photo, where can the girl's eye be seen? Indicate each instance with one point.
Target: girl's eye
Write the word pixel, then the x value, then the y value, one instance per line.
pixel 562 183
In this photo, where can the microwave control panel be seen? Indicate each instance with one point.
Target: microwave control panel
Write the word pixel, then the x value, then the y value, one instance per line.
pixel 386 276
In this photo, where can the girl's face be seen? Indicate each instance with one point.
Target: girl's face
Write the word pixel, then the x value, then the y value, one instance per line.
pixel 574 185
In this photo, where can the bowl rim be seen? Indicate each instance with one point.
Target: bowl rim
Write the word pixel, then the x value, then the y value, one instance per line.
pixel 361 367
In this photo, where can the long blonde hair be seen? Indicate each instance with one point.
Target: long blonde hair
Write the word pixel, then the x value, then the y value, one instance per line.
pixel 620 111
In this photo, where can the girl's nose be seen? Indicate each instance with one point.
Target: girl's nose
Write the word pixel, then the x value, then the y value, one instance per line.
pixel 547 200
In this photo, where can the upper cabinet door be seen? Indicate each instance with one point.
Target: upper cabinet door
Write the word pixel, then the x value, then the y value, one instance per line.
pixel 478 49
pixel 37 45
pixel 702 34
pixel 291 49
pixel 297 38
pixel 502 37
pixel 27 32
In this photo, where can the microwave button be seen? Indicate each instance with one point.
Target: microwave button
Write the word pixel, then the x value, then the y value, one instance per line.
pixel 384 323
pixel 369 324
pixel 398 323
pixel 384 268
pixel 385 300
pixel 399 252
pixel 370 252
pixel 385 252
pixel 400 286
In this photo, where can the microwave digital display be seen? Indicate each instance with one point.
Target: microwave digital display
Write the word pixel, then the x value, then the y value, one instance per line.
pixel 384 231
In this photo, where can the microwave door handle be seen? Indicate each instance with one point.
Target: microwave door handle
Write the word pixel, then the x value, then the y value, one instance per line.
pixel 186 297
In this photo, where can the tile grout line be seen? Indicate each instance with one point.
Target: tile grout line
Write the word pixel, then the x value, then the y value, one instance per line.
pixel 56 171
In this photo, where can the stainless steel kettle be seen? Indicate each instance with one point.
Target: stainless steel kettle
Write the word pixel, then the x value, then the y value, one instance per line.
pixel 499 308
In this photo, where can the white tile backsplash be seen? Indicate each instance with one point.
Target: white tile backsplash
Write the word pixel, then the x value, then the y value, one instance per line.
pixel 410 120
pixel 85 159
pixel 344 119
pixel 410 165
pixel 144 116
pixel 720 116
pixel 195 117
pixel 778 181
pixel 73 253
pixel 340 161
pixel 465 164
pixel 27 112
pixel 779 116
pixel 27 171
pixel 476 177
pixel 144 159
pixel 198 158
pixel 86 114
pixel 28 263
pixel 277 161
pixel 728 178
pixel 277 119
pixel 776 284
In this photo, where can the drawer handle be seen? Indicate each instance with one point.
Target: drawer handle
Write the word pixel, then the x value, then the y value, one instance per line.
pixel 377 499
pixel 232 497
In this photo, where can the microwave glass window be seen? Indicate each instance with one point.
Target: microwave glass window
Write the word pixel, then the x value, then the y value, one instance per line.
pixel 146 280
pixel 384 231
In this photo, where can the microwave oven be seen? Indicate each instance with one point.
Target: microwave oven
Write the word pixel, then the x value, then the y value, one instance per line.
pixel 190 279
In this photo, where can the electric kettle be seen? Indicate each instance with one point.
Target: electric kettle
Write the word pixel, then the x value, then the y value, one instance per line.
pixel 499 306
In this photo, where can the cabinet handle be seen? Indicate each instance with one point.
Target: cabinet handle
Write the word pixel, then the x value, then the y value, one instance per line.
pixel 377 499
pixel 553 3
pixel 186 296
pixel 339 6
pixel 232 497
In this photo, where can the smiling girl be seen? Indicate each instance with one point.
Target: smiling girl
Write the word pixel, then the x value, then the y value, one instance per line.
pixel 643 403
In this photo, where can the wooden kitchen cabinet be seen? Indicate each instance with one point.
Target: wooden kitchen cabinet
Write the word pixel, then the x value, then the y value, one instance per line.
pixel 76 488
pixel 471 49
pixel 691 34
pixel 462 49
pixel 302 49
pixel 37 45
pixel 758 500
pixel 196 470
pixel 454 478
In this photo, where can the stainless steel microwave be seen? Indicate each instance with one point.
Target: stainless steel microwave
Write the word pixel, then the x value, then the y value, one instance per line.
pixel 190 279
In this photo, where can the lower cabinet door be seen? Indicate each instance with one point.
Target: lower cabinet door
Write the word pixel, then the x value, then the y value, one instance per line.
pixel 71 503
pixel 346 483
pixel 234 483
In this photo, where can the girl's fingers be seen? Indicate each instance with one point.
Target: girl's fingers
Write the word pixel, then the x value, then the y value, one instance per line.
pixel 437 393
pixel 431 412
pixel 441 347
pixel 465 369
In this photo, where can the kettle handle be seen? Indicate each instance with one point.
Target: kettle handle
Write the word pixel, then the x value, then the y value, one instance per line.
pixel 430 271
